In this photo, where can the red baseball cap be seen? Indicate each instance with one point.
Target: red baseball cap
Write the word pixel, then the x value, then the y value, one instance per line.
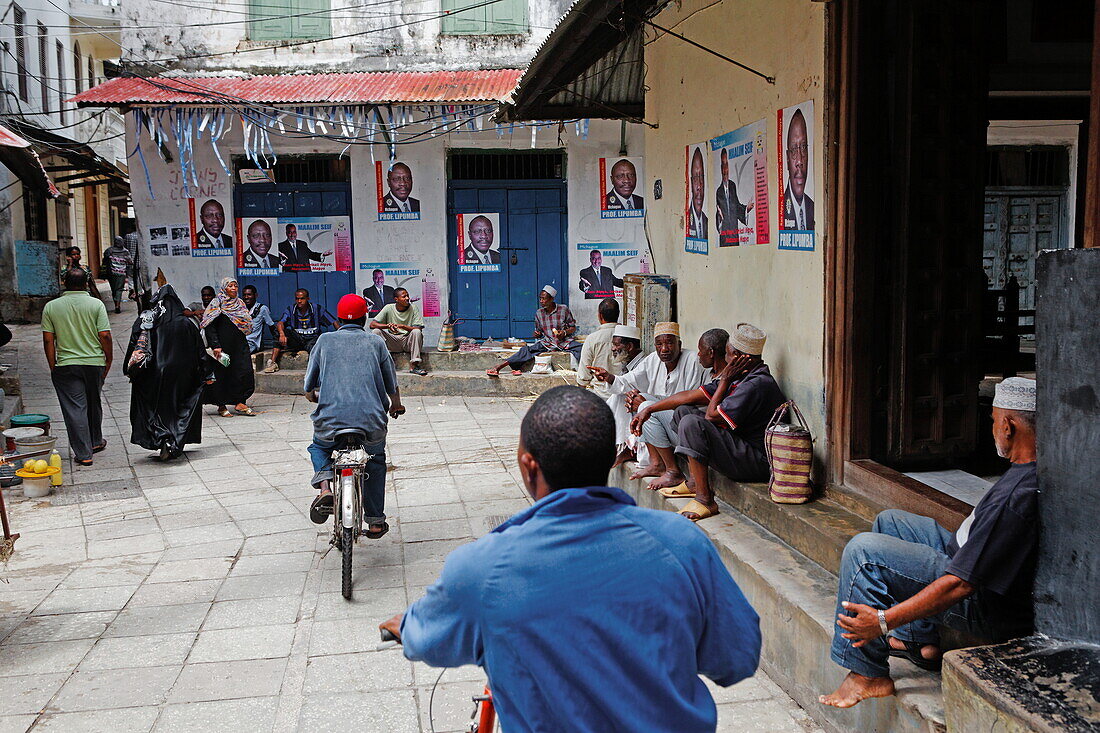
pixel 350 307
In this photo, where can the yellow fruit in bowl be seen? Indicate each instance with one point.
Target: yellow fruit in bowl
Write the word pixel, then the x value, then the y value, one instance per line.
pixel 28 465
pixel 40 466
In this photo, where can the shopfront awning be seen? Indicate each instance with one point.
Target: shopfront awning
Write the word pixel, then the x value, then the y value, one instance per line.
pixel 81 165
pixel 20 158
pixel 590 66
pixel 384 87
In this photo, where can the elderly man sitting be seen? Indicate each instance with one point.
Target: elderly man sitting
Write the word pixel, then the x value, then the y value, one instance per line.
pixel 729 437
pixel 626 355
pixel 554 329
pixel 908 574
pixel 653 423
pixel 668 370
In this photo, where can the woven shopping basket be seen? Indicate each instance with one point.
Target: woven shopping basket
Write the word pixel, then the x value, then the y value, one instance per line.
pixel 790 450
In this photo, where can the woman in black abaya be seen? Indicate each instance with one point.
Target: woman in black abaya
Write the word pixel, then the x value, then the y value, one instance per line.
pixel 167 365
pixel 226 323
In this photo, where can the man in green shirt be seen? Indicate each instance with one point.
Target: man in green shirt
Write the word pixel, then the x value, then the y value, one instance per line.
pixel 402 328
pixel 77 338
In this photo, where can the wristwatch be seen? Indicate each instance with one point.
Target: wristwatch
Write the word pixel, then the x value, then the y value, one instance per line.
pixel 882 622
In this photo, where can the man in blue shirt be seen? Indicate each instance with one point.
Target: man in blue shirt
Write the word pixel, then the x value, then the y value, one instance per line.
pixel 299 328
pixel 351 378
pixel 587 612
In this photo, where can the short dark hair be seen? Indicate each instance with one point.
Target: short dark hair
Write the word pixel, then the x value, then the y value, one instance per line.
pixel 571 433
pixel 375 272
pixel 76 279
pixel 249 287
pixel 400 290
pixel 609 310
pixel 71 250
pixel 302 290
pixel 209 288
pixel 716 339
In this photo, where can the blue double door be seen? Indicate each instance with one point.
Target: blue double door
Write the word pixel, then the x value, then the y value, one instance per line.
pixel 251 200
pixel 533 224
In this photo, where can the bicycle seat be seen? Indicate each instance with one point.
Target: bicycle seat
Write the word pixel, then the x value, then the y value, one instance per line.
pixel 350 436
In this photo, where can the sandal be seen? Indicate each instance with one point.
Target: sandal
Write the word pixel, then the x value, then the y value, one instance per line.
pixel 376 534
pixel 492 373
pixel 418 371
pixel 100 448
pixel 517 373
pixel 271 368
pixel 912 653
pixel 223 412
pixel 678 491
pixel 83 463
pixel 247 411
pixel 701 511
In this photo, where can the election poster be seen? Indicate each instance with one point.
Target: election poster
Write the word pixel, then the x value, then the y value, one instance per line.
pixel 796 188
pixel 209 236
pixel 696 224
pixel 739 167
pixel 394 192
pixel 268 246
pixel 619 179
pixel 386 278
pixel 607 263
pixel 478 246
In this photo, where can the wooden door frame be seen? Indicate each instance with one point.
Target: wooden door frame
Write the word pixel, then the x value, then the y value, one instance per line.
pixel 93 245
pixel 847 411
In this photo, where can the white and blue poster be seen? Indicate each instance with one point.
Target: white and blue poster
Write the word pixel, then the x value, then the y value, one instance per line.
pixel 607 263
pixel 739 170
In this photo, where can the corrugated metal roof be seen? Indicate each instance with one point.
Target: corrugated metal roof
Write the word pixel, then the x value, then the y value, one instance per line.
pixel 427 87
pixel 11 140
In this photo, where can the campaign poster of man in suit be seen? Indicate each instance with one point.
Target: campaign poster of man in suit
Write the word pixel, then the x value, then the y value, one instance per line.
pixel 796 127
pixel 296 255
pixel 597 281
pixel 695 217
pixel 208 235
pixel 621 176
pixel 378 295
pixel 739 165
pixel 478 249
pixel 257 257
pixel 396 203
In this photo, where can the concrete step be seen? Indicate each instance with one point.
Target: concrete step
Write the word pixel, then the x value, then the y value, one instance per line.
pixel 443 361
pixel 442 384
pixel 795 598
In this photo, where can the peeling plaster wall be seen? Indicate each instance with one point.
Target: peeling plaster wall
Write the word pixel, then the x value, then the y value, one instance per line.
pixel 695 96
pixel 395 36
pixel 421 241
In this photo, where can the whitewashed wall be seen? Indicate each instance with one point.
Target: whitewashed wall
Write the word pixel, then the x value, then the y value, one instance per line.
pixel 423 241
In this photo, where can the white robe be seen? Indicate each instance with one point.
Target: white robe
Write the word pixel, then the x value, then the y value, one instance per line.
pixel 650 377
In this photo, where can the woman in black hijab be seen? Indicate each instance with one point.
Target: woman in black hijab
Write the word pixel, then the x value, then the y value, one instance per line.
pixel 167 366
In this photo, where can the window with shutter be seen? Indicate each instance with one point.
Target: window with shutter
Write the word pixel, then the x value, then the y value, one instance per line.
pixel 478 17
pixel 61 111
pixel 44 67
pixel 20 30
pixel 280 20
pixel 91 72
pixel 76 68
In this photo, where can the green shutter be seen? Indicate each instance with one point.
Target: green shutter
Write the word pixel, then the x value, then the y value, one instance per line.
pixel 267 25
pixel 464 21
pixel 507 16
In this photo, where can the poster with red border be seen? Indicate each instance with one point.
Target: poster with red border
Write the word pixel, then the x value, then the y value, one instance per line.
pixel 478 244
pixel 619 180
pixel 797 215
pixel 393 191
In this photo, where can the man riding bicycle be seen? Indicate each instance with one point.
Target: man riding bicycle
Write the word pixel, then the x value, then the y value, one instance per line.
pixel 587 612
pixel 352 379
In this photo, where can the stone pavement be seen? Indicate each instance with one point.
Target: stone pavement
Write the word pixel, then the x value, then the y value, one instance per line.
pixel 195 595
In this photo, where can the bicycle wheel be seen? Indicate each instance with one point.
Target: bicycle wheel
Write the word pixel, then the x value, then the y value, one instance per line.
pixel 348 541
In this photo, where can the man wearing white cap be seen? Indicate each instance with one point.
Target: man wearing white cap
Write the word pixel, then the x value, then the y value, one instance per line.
pixel 554 329
pixel 596 351
pixel 668 370
pixel 908 574
pixel 729 436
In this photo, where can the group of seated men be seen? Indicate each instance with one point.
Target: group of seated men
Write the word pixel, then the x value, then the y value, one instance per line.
pixel 711 406
pixel 399 324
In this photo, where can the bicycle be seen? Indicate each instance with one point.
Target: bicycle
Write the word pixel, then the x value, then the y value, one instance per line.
pixel 349 473
pixel 484 717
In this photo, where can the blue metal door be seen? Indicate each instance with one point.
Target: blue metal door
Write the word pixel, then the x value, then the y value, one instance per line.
pixel 532 254
pixel 295 199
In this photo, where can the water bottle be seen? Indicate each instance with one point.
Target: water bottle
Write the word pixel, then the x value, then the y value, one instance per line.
pixel 55 462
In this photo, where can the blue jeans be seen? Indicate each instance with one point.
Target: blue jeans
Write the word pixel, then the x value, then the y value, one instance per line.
pixel 901 555
pixel 374 487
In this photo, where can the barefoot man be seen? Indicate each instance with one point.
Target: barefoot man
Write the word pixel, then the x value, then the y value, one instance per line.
pixel 653 423
pixel 668 370
pixel 908 574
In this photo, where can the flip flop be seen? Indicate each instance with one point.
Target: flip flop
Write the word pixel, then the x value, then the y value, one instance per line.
pixel 517 373
pixel 678 491
pixel 492 373
pixel 912 653
pixel 700 510
pixel 99 448
pixel 377 534
pixel 247 412
pixel 224 412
